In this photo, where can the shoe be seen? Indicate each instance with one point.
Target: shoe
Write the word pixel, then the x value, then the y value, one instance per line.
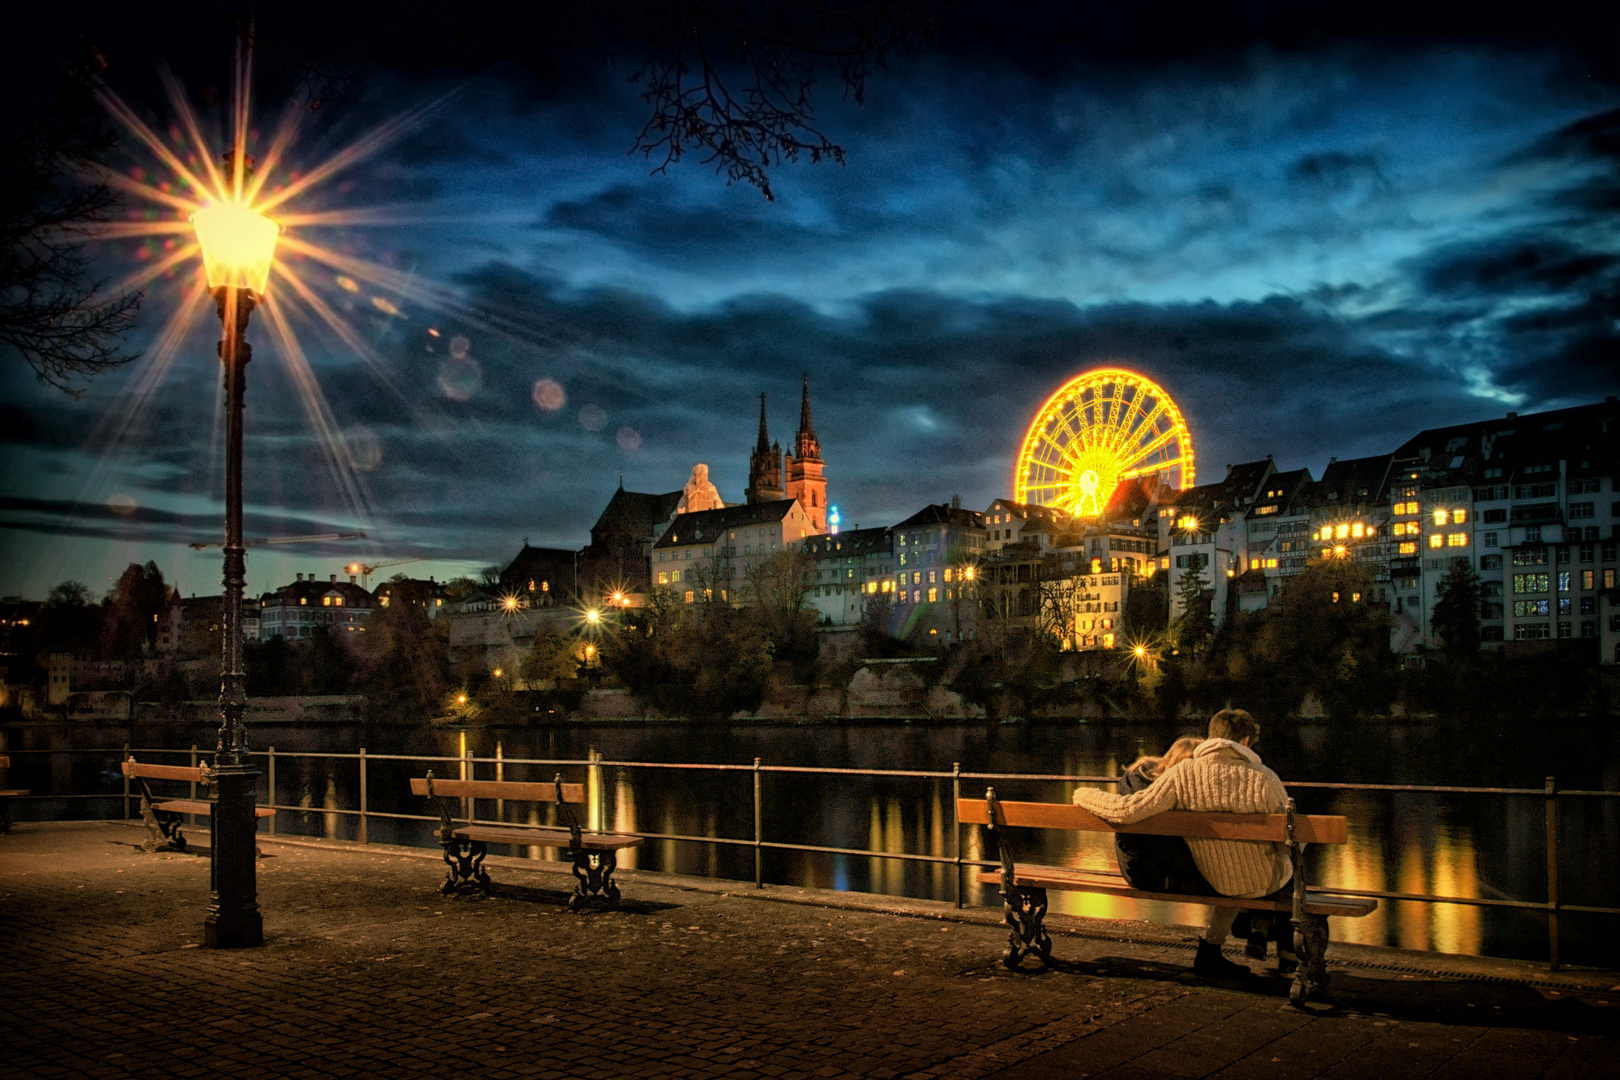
pixel 1287 963
pixel 1210 964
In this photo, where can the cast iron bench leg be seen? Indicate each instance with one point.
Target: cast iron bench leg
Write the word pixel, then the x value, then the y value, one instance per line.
pixel 593 875
pixel 1310 943
pixel 1024 909
pixel 162 828
pixel 465 860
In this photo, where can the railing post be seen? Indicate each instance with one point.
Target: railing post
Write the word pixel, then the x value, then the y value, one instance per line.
pixel 956 808
pixel 362 837
pixel 500 774
pixel 759 868
pixel 270 779
pixel 193 817
pixel 126 781
pixel 1552 873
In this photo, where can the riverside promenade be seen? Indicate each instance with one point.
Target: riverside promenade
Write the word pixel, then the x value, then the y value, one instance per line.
pixel 368 971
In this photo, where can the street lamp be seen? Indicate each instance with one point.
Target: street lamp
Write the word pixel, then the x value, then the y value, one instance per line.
pixel 238 244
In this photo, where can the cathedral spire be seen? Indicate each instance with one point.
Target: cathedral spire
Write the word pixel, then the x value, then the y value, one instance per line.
pixel 764 465
pixel 764 444
pixel 805 429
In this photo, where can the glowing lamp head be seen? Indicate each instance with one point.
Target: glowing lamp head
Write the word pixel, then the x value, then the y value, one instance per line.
pixel 1140 651
pixel 593 616
pixel 511 603
pixel 238 244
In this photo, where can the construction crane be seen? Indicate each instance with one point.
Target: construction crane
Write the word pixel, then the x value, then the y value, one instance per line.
pixel 365 570
pixel 285 540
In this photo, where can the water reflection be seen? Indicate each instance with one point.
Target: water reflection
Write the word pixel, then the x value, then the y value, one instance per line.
pixel 1470 846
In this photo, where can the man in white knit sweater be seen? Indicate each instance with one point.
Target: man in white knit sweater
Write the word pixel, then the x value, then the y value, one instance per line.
pixel 1223 774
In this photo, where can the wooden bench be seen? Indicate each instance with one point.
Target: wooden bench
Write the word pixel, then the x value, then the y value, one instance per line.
pixel 1023 888
pixel 6 795
pixel 594 854
pixel 164 815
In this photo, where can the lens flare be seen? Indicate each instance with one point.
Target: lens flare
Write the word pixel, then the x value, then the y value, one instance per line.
pixel 593 418
pixel 460 347
pixel 460 380
pixel 628 438
pixel 549 395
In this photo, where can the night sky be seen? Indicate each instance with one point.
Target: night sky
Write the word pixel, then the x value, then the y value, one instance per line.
pixel 1318 239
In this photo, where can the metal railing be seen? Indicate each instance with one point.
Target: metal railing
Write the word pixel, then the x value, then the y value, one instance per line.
pixel 467 763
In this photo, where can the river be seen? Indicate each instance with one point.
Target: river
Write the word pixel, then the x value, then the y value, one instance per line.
pixel 1464 845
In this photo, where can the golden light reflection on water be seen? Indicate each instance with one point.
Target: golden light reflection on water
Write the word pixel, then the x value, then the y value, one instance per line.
pixel 1427 853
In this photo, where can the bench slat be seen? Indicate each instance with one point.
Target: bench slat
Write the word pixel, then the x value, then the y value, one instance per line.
pixel 197 806
pixel 161 772
pixel 1071 880
pixel 1308 828
pixel 517 790
pixel 544 837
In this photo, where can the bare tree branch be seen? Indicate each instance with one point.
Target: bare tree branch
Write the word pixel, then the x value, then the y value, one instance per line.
pixel 53 190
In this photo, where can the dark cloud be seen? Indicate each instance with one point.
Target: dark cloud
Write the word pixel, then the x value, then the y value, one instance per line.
pixel 1513 265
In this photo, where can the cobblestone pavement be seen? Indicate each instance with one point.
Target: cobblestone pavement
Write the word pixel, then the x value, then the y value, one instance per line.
pixel 368 971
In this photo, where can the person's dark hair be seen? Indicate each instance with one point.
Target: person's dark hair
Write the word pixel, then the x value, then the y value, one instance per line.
pixel 1234 724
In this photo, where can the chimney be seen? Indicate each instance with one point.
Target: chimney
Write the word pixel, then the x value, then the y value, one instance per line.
pixel 351 579
pixel 956 502
pixel 334 579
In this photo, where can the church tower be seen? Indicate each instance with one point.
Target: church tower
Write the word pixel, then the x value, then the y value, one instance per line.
pixel 805 481
pixel 764 466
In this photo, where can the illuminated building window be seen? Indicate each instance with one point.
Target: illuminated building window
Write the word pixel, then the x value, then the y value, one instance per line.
pixel 326 601
pixel 1529 583
pixel 932 576
pixel 1457 540
pixel 1436 540
pixel 1459 517
pixel 916 577
pixel 1341 532
pixel 1356 530
pixel 384 600
pixel 1608 579
pixel 947 573
pixel 674 576
pixel 663 577
pixel 689 596
pixel 1439 517
pixel 1586 579
pixel 933 595
pixel 303 600
pixel 1327 553
pixel 1409 547
pixel 337 601
pixel 438 601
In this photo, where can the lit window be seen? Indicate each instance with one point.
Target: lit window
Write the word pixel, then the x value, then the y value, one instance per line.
pixel 1439 517
pixel 438 601
pixel 933 595
pixel 663 577
pixel 303 600
pixel 1408 547
pixel 1457 540
pixel 1436 540
pixel 1340 532
pixel 384 601
pixel 1458 517
pixel 1356 530
pixel 326 601
pixel 337 601
pixel 689 596
pixel 947 573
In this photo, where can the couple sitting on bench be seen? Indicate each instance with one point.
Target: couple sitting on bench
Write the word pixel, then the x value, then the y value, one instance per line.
pixel 1220 773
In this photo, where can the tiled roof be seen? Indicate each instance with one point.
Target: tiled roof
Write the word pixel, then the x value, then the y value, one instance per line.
pixel 635 513
pixel 852 543
pixel 940 514
pixel 707 526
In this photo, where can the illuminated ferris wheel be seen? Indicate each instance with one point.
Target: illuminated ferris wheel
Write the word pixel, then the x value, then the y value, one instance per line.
pixel 1101 427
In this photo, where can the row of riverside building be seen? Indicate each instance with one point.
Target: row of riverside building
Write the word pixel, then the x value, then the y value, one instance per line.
pixel 1530 502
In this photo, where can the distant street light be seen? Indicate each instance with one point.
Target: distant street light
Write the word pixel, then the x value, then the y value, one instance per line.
pixel 238 244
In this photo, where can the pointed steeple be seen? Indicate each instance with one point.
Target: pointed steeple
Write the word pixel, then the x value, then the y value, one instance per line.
pixel 764 465
pixel 764 444
pixel 805 428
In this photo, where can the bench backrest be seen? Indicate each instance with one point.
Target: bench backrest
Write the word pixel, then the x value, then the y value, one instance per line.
pixel 516 790
pixel 1308 828
pixel 132 768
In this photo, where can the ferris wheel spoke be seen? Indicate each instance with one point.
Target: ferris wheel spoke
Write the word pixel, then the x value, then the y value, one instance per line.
pixel 1139 454
pixel 1063 452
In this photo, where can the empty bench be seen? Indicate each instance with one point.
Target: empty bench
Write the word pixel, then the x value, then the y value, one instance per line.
pixel 163 815
pixel 1023 887
pixel 595 855
pixel 6 795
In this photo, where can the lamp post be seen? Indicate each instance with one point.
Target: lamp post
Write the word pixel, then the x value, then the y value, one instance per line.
pixel 237 245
